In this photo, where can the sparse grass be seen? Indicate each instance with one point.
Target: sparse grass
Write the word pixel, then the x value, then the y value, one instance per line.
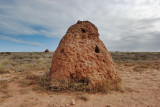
pixel 4 91
pixel 52 105
pixel 24 61
pixel 138 61
pixel 28 104
pixel 2 69
pixel 140 68
pixel 135 56
pixel 24 83
pixel 34 61
pixel 32 77
pixel 83 97
pixel 130 89
pixel 5 53
pixel 27 62
pixel 3 85
pixel 24 91
pixel 44 84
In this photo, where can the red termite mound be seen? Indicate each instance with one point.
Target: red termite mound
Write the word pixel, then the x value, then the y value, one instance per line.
pixel 46 50
pixel 81 55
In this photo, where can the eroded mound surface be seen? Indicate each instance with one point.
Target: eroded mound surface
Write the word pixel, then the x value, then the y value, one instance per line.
pixel 82 56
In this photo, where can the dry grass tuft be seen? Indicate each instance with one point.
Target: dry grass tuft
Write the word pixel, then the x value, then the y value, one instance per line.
pixel 2 69
pixel 24 91
pixel 44 83
pixel 26 83
pixel 4 91
pixel 140 68
pixel 28 104
pixel 32 77
pixel 3 85
pixel 83 97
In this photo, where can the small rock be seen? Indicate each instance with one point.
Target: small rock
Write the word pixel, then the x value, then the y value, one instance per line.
pixel 72 102
pixel 66 105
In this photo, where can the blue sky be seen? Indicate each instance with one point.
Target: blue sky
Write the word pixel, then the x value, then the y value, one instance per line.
pixel 36 25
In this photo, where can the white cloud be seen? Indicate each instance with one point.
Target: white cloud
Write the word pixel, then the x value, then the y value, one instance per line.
pixel 20 41
pixel 117 20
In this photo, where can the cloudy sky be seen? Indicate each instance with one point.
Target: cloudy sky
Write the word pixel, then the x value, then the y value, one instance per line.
pixel 124 25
